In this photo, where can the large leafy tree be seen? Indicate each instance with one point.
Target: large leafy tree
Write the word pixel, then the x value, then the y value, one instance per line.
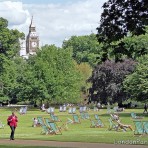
pixel 121 17
pixel 107 81
pixel 85 49
pixel 9 47
pixel 136 84
pixel 129 47
pixel 55 77
pixel 9 39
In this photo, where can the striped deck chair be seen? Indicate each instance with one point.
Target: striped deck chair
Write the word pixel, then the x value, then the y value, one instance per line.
pixel 82 115
pixel 86 115
pixel 94 124
pixel 100 123
pixel 54 129
pixel 112 125
pixel 55 118
pixel 139 130
pixel 134 116
pixel 47 120
pixel 40 121
pixel 97 117
pixel 145 126
pixel 76 118
pixel 45 130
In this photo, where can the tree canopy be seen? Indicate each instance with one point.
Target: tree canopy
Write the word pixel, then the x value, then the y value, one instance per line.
pixel 107 81
pixel 9 39
pixel 121 17
pixel 136 84
pixel 85 49
pixel 52 76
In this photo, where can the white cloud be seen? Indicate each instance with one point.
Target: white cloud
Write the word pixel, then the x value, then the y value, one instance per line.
pixel 13 12
pixel 54 22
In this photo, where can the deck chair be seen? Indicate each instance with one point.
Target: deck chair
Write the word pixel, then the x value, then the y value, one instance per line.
pixel 145 126
pixel 82 115
pixel 1 125
pixel 100 123
pixel 55 118
pixel 64 108
pixel 74 110
pixel 76 118
pixel 40 121
pixel 86 115
pixel 124 127
pixel 97 117
pixel 50 110
pixel 139 130
pixel 112 125
pixel 54 129
pixel 94 124
pixel 61 109
pixel 45 130
pixel 46 121
pixel 134 116
pixel 23 110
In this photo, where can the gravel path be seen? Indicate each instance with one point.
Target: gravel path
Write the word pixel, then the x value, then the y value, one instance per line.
pixel 67 144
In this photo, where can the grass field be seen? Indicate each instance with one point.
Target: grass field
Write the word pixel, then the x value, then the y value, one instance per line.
pixel 76 132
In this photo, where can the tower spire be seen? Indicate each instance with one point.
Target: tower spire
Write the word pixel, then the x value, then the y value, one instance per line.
pixel 32 23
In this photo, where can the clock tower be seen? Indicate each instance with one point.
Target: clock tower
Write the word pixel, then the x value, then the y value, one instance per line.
pixel 32 40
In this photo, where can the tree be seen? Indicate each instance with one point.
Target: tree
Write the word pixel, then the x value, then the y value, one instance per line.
pixel 121 17
pixel 86 71
pixel 9 47
pixel 107 81
pixel 9 39
pixel 129 47
pixel 55 77
pixel 136 84
pixel 85 49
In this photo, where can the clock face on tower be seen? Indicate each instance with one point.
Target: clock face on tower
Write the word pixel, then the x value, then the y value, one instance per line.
pixel 34 44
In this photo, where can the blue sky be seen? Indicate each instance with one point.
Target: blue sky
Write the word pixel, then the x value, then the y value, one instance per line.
pixel 55 20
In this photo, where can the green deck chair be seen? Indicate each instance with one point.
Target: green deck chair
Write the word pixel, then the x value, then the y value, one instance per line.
pixel 112 125
pixel 55 118
pixel 82 115
pixel 100 123
pixel 97 117
pixel 145 126
pixel 40 121
pixel 134 116
pixel 76 118
pixel 86 115
pixel 94 124
pixel 54 128
pixel 45 130
pixel 47 120
pixel 139 130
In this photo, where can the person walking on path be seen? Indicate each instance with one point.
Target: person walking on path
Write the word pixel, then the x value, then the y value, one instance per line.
pixel 12 122
pixel 145 108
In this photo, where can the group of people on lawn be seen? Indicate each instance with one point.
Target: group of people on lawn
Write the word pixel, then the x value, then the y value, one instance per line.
pixel 12 121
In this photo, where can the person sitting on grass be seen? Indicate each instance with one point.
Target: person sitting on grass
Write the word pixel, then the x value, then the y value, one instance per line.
pixel 35 122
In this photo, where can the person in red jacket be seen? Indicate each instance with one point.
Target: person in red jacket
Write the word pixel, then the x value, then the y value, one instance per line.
pixel 12 121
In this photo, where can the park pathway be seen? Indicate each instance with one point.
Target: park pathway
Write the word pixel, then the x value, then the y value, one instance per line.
pixel 66 144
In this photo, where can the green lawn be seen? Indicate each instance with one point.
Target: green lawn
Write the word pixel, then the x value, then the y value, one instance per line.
pixel 76 132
